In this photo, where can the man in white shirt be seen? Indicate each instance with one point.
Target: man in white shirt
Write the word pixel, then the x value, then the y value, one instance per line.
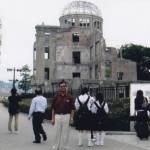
pixel 37 110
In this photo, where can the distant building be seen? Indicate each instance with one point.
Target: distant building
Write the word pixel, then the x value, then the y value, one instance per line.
pixel 77 49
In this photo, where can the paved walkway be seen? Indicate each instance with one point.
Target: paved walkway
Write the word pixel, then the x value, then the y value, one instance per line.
pixel 23 140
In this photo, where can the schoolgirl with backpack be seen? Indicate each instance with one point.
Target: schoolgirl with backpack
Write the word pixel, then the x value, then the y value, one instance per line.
pixel 100 108
pixel 83 116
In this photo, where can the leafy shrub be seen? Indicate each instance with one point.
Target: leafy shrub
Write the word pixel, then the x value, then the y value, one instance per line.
pixel 119 111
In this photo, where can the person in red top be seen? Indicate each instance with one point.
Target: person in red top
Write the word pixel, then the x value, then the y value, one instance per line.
pixel 62 116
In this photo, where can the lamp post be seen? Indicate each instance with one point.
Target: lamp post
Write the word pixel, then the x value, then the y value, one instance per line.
pixel 14 70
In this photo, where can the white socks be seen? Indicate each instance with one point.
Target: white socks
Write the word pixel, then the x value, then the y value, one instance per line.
pixel 89 140
pixel 102 138
pixel 80 138
pixel 97 138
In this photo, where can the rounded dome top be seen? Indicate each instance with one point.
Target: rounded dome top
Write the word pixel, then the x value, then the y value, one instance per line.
pixel 81 7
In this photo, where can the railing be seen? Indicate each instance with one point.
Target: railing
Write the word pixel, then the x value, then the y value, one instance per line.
pixel 110 93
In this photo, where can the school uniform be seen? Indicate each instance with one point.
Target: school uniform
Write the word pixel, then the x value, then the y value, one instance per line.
pixel 86 122
pixel 99 126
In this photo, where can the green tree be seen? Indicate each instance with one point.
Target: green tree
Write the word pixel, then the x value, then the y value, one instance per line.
pixel 141 55
pixel 25 83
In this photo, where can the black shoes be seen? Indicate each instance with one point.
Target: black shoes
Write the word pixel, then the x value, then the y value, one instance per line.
pixel 44 137
pixel 36 141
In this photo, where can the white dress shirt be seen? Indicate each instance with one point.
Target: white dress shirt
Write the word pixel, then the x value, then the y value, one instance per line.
pixel 38 104
pixel 94 107
pixel 82 99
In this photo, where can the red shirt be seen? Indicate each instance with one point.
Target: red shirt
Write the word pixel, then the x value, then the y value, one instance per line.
pixel 63 103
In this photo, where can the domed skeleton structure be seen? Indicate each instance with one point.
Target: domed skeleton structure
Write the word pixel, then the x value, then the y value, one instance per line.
pixel 81 14
pixel 81 7
pixel 76 51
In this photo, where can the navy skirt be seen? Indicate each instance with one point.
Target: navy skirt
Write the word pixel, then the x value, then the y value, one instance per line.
pixel 83 122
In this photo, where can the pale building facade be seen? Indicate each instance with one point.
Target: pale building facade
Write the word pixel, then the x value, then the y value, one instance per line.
pixel 77 49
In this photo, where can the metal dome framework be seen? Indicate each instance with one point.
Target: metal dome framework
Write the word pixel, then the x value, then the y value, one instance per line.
pixel 81 7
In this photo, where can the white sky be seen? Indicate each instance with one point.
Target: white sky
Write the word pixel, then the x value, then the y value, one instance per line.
pixel 124 21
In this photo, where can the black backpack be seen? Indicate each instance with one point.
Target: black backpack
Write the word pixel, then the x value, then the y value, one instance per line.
pixel 101 114
pixel 83 109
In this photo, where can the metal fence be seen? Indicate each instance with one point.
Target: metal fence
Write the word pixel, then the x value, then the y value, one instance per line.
pixel 110 93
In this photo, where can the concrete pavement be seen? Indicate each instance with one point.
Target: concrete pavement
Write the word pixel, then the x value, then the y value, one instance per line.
pixel 23 140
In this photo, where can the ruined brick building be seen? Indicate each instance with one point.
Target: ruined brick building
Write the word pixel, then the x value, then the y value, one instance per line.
pixel 77 49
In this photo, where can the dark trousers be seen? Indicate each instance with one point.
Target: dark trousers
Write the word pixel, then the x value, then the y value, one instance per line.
pixel 37 125
pixel 92 136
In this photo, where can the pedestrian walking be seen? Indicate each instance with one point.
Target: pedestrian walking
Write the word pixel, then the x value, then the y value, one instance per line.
pixel 140 104
pixel 140 109
pixel 37 110
pixel 83 116
pixel 100 108
pixel 62 116
pixel 13 110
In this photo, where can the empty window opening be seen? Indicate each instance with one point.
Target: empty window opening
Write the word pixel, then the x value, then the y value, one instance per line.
pixel 75 37
pixel 73 22
pixel 108 68
pixel 46 55
pixel 98 24
pixel 84 22
pixel 119 75
pixel 107 49
pixel 76 74
pixel 34 71
pixel 65 21
pixel 97 48
pixel 96 72
pixel 91 51
pixel 70 21
pixel 90 73
pixel 94 24
pixel 34 54
pixel 46 73
pixel 88 22
pixel 76 57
